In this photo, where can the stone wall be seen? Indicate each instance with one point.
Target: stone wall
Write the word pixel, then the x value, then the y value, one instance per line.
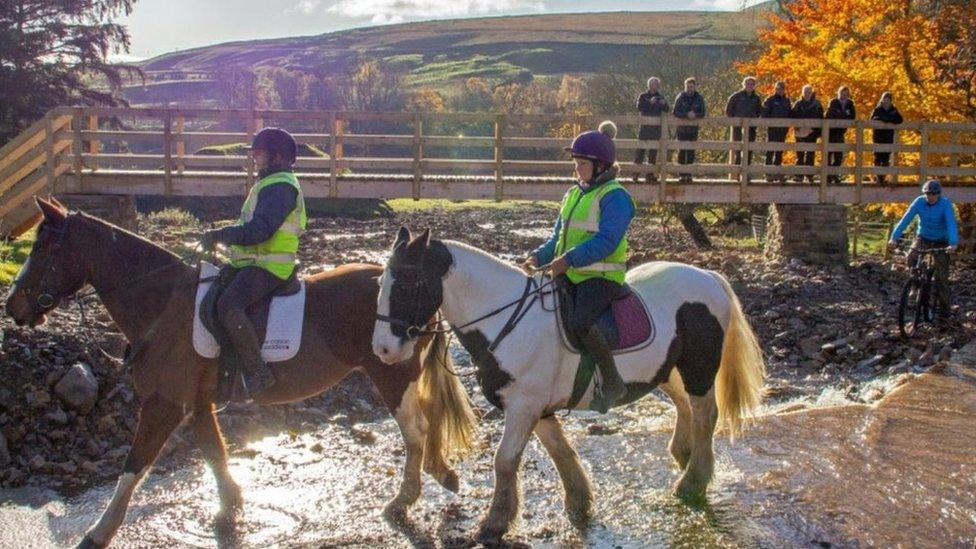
pixel 815 233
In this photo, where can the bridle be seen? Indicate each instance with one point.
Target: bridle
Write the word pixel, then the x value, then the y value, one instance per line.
pixel 534 289
pixel 46 300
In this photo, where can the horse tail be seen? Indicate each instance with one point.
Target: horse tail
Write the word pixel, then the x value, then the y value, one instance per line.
pixel 451 421
pixel 742 371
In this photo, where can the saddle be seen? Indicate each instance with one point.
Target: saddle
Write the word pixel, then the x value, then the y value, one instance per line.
pixel 626 324
pixel 277 319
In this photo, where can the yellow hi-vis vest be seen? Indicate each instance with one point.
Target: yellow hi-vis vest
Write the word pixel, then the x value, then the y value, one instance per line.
pixel 580 221
pixel 279 253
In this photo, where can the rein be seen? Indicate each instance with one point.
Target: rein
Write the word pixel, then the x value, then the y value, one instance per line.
pixel 533 289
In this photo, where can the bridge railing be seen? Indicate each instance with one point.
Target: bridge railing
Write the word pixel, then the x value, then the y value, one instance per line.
pixel 475 155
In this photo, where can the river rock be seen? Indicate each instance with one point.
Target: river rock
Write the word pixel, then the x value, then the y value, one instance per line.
pixel 57 416
pixel 870 362
pixel 78 388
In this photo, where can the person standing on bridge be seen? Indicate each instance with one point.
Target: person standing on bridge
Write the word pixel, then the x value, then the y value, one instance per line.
pixel 886 112
pixel 808 107
pixel 650 103
pixel 839 108
pixel 264 248
pixel 776 106
pixel 745 103
pixel 937 228
pixel 691 105
pixel 587 252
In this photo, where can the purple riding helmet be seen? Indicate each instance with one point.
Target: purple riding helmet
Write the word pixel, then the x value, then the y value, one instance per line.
pixel 596 145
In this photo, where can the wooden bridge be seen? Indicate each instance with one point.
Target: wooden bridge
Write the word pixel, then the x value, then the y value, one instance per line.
pixel 138 151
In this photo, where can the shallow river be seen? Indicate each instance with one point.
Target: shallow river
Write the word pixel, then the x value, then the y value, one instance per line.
pixel 900 472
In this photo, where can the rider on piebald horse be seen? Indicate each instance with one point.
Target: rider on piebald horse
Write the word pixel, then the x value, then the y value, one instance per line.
pixel 264 247
pixel 587 251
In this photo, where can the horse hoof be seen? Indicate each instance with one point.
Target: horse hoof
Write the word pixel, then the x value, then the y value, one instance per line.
pixel 450 481
pixel 690 493
pixel 395 511
pixel 88 543
pixel 489 537
pixel 579 514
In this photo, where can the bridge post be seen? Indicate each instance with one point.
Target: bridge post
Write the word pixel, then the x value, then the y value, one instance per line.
pixel 418 151
pixel 94 144
pixel 333 163
pixel 49 170
pixel 180 144
pixel 76 117
pixel 168 154
pixel 499 157
pixel 744 152
pixel 824 138
pixel 858 169
pixel 662 157
pixel 923 157
pixel 249 161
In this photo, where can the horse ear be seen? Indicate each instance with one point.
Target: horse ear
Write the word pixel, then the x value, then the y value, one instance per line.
pixel 58 203
pixel 425 237
pixel 52 213
pixel 403 235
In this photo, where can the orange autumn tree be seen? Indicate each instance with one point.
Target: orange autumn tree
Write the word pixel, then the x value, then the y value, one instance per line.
pixel 924 51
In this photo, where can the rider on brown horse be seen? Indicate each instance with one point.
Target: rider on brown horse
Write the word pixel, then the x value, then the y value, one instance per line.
pixel 264 247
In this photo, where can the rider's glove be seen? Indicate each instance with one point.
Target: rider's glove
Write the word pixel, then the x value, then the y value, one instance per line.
pixel 209 239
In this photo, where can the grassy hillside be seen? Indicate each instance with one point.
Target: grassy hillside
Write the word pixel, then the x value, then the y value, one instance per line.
pixel 441 53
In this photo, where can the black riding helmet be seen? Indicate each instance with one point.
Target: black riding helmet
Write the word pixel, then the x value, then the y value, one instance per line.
pixel 276 140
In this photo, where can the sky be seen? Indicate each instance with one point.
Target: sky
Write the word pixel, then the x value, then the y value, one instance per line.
pixel 163 26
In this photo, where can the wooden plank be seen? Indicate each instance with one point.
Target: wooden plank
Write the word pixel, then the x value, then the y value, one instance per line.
pixel 663 151
pixel 27 188
pixel 21 145
pixel 27 164
pixel 50 167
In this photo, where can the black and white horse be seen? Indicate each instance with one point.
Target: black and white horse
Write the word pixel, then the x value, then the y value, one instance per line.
pixel 704 356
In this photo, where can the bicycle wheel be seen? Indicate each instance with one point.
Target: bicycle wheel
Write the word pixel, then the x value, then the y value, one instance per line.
pixel 911 308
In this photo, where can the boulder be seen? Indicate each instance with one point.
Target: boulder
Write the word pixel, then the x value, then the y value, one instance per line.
pixel 78 388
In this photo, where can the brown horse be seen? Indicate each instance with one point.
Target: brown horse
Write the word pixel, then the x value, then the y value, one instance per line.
pixel 149 293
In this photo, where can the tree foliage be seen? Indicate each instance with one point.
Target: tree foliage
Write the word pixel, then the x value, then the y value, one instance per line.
pixel 921 50
pixel 54 52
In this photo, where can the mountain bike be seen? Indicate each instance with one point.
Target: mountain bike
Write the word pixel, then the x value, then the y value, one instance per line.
pixel 917 300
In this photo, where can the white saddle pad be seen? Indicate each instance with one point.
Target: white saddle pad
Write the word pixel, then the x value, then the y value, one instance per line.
pixel 285 318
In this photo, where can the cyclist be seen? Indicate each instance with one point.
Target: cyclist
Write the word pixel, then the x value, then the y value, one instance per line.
pixel 936 229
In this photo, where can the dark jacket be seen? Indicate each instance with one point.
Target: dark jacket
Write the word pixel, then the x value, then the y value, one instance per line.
pixel 744 104
pixel 685 103
pixel 891 116
pixel 651 104
pixel 275 202
pixel 805 110
pixel 776 106
pixel 838 111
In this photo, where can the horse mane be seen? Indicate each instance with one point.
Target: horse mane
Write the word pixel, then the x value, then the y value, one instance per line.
pixel 478 252
pixel 142 246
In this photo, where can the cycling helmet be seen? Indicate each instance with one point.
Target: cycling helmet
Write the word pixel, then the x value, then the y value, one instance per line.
pixel 932 186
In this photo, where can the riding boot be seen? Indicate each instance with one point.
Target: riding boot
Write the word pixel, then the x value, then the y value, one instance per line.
pixel 612 388
pixel 257 375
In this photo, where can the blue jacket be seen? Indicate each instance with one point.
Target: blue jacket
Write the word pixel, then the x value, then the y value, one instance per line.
pixel 616 211
pixel 935 222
